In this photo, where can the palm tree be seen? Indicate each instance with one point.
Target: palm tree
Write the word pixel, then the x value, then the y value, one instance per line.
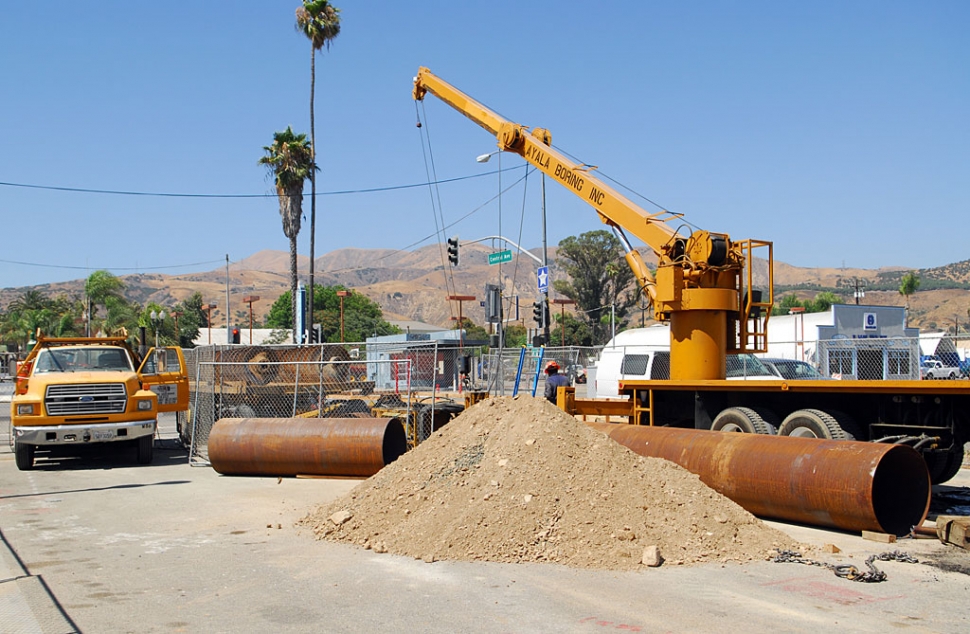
pixel 320 22
pixel 290 162
pixel 908 286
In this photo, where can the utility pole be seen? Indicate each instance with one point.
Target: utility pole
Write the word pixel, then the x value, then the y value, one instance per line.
pixel 857 285
pixel 228 315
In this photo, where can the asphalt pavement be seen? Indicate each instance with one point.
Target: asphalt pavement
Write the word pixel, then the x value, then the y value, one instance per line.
pixel 101 544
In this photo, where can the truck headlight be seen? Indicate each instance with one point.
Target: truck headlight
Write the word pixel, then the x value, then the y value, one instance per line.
pixel 144 406
pixel 26 409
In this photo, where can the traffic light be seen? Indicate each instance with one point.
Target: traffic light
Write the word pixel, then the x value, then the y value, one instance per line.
pixel 539 312
pixel 235 335
pixel 453 250
pixel 315 333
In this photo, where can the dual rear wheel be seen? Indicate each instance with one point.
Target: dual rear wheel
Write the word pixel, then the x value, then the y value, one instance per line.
pixel 803 423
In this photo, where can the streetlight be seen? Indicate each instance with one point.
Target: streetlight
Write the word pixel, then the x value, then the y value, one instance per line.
pixel 483 158
pixel 341 295
pixel 562 319
pixel 208 320
pixel 249 299
pixel 157 319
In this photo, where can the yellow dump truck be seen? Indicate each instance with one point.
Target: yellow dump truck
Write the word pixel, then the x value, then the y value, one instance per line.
pixel 79 391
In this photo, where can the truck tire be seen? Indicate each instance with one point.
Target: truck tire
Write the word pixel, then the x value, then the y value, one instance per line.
pixel 24 454
pixel 812 423
pixel 741 420
pixel 146 449
pixel 944 465
pixel 849 426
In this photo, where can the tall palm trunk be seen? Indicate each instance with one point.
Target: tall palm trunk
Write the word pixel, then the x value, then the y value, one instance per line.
pixel 293 284
pixel 313 179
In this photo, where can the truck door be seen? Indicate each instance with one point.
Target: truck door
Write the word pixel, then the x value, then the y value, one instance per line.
pixel 163 372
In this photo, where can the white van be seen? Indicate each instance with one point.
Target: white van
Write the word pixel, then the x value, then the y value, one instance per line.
pixel 644 353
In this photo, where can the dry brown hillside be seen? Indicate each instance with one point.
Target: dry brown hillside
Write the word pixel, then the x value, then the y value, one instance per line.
pixel 414 285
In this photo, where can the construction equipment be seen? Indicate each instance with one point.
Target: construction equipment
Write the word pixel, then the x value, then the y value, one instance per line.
pixel 705 288
pixel 74 391
pixel 703 284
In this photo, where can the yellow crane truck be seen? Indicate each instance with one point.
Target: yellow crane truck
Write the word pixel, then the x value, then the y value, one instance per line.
pixel 705 289
pixel 81 391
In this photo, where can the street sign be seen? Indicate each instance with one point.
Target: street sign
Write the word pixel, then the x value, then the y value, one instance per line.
pixel 542 278
pixel 501 256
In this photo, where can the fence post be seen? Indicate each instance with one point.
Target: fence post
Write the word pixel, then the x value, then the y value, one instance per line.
pixel 518 372
pixel 535 383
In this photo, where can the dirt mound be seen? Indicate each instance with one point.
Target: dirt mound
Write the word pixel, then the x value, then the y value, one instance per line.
pixel 517 479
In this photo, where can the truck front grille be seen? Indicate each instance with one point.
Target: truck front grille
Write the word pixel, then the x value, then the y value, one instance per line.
pixel 86 398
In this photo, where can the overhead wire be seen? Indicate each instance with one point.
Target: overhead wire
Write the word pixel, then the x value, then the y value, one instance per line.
pixel 274 195
pixel 518 239
pixel 393 252
pixel 435 195
pixel 108 268
pixel 625 187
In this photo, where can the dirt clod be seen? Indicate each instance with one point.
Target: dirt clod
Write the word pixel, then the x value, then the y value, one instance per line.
pixel 519 480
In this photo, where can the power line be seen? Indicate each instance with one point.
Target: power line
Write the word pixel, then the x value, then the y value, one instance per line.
pixel 179 266
pixel 343 192
pixel 108 268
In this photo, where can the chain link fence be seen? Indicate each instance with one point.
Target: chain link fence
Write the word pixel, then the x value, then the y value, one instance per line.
pixel 895 358
pixel 423 383
pixel 233 381
pixel 512 371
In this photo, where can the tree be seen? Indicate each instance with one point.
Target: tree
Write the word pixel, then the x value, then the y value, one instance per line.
pixel 190 320
pixel 102 288
pixel 577 333
pixel 908 286
pixel 362 317
pixel 823 301
pixel 319 21
pixel 34 311
pixel 473 332
pixel 289 161
pixel 597 280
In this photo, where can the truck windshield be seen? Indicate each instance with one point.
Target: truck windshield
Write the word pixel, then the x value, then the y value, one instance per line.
pixel 83 360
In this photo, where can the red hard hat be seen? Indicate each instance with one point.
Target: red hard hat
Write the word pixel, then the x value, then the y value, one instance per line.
pixel 552 366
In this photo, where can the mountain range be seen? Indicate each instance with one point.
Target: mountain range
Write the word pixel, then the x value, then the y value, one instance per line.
pixel 415 285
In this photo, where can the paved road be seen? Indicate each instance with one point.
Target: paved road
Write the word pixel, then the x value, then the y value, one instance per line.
pixel 99 544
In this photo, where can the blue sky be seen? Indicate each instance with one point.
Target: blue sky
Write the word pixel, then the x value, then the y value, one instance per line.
pixel 837 130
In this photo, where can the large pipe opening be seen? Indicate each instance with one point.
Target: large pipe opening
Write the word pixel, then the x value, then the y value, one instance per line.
pixel 901 490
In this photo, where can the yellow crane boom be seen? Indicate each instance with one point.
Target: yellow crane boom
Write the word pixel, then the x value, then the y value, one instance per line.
pixel 700 285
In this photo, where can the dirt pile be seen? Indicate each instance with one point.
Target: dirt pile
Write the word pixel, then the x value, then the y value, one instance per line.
pixel 516 480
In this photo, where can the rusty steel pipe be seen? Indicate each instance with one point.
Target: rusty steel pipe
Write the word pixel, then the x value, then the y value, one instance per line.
pixel 305 446
pixel 852 486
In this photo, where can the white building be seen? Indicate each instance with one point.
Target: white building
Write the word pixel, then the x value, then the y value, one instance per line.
pixel 849 341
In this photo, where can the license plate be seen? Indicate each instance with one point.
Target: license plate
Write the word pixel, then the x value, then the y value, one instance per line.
pixel 103 435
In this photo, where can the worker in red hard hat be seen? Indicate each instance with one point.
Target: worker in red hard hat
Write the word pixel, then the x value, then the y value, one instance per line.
pixel 553 381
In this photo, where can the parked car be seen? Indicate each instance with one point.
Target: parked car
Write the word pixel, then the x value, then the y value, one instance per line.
pixel 792 369
pixel 935 369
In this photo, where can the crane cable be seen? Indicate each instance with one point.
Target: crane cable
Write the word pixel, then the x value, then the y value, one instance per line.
pixel 435 195
pixel 515 269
